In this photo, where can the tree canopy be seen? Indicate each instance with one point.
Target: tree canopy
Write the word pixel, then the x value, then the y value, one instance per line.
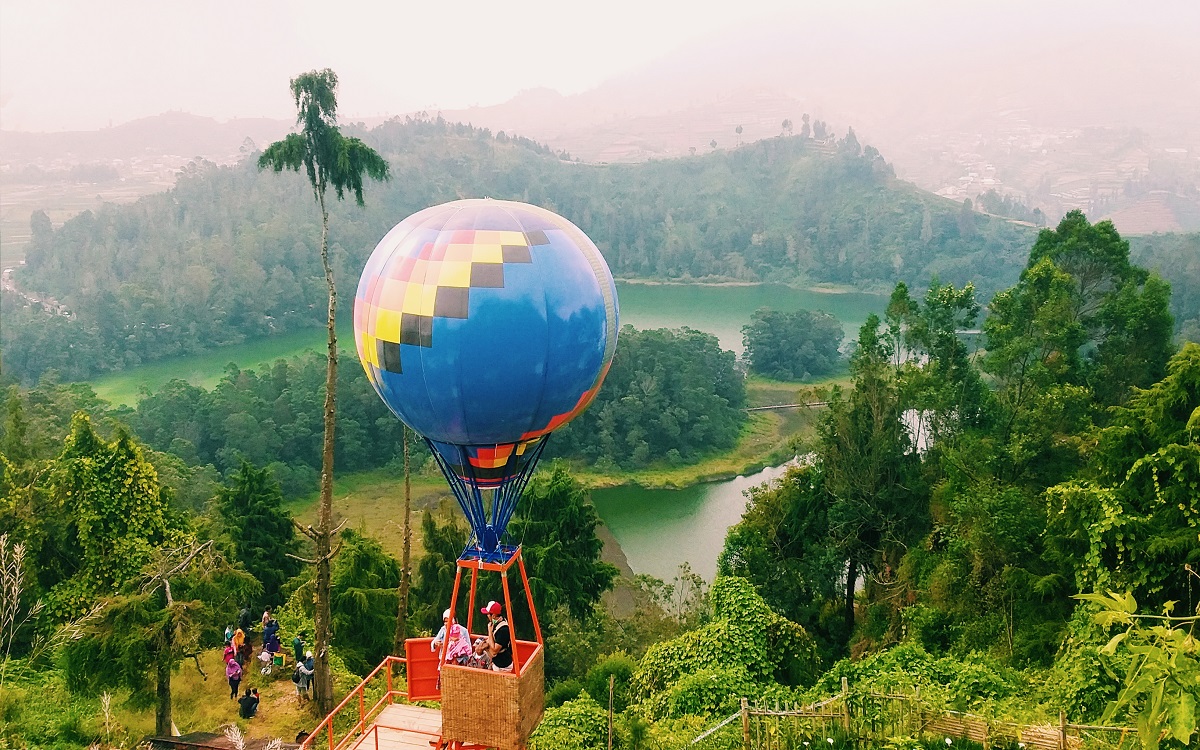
pixel 792 346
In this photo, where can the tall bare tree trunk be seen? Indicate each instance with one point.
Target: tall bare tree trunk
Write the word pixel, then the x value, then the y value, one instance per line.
pixel 406 562
pixel 851 579
pixel 322 678
pixel 162 670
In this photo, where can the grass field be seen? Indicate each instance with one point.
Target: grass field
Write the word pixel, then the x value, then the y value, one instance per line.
pixel 372 502
pixel 61 201
pixel 207 369
pixel 202 705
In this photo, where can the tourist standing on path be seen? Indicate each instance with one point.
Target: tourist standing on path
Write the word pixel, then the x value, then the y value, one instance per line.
pixel 298 646
pixel 233 673
pixel 303 676
pixel 239 640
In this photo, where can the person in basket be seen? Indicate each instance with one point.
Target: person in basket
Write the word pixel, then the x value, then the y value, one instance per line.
pixel 499 639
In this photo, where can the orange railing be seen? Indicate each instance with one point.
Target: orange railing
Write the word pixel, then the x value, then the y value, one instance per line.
pixel 325 731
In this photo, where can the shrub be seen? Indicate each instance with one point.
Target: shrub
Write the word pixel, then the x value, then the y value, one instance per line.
pixel 620 666
pixel 564 691
pixel 745 642
pixel 580 724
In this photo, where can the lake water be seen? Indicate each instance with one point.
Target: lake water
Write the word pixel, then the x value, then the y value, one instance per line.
pixel 659 529
pixel 723 310
pixel 719 310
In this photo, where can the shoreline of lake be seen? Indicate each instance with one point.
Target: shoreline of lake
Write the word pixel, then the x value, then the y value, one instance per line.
pixel 657 530
pixel 817 288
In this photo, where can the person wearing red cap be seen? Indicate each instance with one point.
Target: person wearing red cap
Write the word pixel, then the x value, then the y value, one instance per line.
pixel 499 638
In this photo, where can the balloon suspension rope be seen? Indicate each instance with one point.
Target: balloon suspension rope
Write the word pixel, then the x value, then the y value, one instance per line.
pixel 504 498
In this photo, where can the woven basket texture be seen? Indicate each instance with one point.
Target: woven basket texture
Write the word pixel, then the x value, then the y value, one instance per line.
pixel 493 708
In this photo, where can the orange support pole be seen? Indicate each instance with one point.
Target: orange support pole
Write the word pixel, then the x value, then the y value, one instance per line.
pixel 453 603
pixel 471 606
pixel 537 629
pixel 512 634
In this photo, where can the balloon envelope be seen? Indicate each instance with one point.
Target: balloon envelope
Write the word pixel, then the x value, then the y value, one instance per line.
pixel 484 325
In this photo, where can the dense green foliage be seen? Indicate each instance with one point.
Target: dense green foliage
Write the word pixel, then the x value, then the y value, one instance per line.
pixel 110 514
pixel 556 527
pixel 971 494
pixel 263 537
pixel 270 418
pixel 671 395
pixel 1176 257
pixel 579 724
pixel 363 601
pixel 1162 680
pixel 136 638
pixel 744 649
pixel 1131 521
pixel 230 254
pixel 953 501
pixel 792 346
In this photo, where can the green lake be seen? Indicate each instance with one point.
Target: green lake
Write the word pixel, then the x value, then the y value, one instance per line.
pixel 659 529
pixel 721 310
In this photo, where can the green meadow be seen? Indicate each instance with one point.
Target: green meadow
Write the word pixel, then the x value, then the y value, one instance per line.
pixel 206 369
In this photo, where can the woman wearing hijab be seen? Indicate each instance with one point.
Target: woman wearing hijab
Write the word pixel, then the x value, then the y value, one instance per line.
pixel 458 642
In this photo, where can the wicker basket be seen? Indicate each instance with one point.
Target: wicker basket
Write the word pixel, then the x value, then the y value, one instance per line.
pixel 493 708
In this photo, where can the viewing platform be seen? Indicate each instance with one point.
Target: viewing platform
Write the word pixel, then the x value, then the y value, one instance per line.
pixel 402 727
pixel 480 708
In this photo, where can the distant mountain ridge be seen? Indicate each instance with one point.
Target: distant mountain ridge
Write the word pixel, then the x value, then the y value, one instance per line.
pixel 174 133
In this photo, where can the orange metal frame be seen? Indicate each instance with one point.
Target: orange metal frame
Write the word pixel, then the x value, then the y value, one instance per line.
pixel 475 566
pixel 422 664
pixel 325 729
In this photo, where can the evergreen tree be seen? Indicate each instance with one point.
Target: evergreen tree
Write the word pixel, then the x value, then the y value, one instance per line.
pixel 556 526
pixel 139 636
pixel 363 601
pixel 262 532
pixel 430 595
pixel 870 467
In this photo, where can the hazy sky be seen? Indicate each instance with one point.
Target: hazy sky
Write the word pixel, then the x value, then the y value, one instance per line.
pixel 81 64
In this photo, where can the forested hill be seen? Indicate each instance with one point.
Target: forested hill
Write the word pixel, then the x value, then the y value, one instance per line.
pixel 231 253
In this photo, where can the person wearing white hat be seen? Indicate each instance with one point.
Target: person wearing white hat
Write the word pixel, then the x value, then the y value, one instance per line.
pixel 499 638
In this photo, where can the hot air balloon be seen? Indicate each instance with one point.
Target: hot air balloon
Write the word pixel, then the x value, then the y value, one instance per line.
pixel 485 325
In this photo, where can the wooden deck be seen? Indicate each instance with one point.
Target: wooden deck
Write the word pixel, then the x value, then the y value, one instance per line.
pixel 402 727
